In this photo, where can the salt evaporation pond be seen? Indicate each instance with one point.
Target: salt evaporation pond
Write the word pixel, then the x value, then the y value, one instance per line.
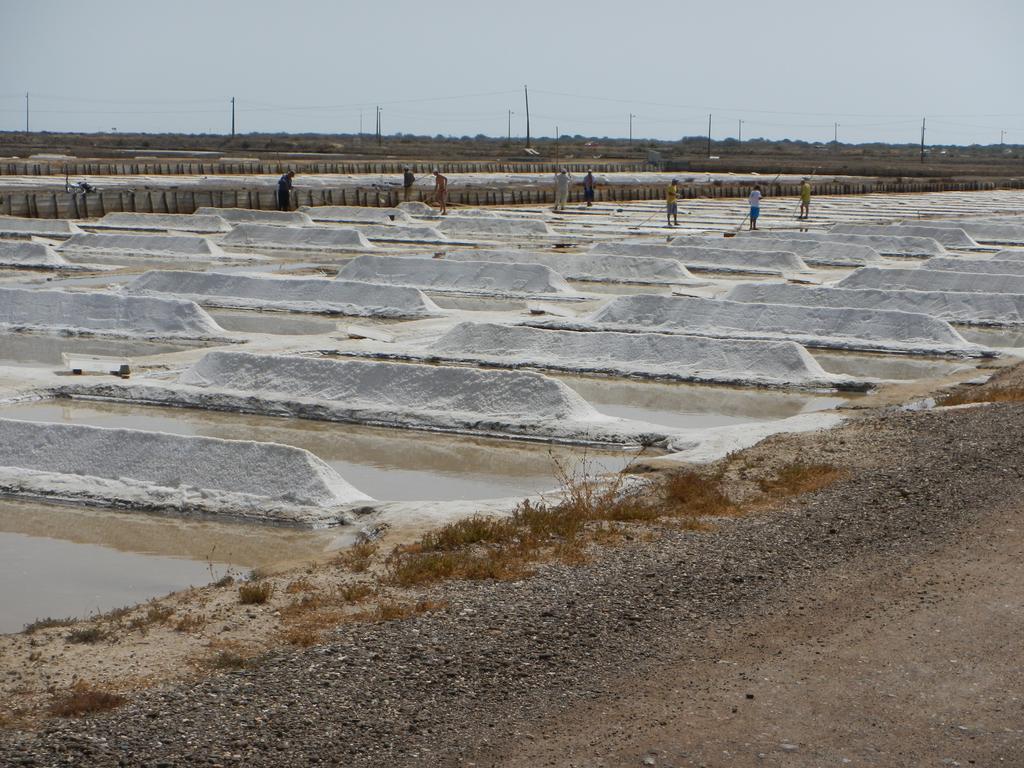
pixel 61 560
pixel 36 350
pixel 387 464
pixel 892 367
pixel 1011 338
pixel 276 323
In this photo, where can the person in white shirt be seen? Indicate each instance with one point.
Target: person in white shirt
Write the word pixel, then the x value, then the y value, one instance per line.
pixel 755 206
pixel 561 189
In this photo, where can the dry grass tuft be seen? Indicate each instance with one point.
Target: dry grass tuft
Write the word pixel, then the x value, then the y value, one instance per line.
pixel 688 494
pixel 797 477
pixel 83 699
pixel 155 614
pixel 191 623
pixel 302 636
pixel 255 592
pixel 354 593
pixel 47 623
pixel 358 557
pixel 1006 393
pixel 301 584
pixel 87 635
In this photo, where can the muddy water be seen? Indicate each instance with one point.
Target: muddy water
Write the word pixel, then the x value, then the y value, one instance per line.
pixel 994 337
pixel 38 351
pixel 898 367
pixel 696 406
pixel 63 560
pixel 277 323
pixel 393 465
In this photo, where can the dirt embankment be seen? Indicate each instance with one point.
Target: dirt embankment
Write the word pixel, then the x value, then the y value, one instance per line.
pixel 872 621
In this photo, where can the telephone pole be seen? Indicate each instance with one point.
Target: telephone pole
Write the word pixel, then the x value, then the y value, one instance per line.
pixel 26 111
pixel 232 115
pixel 709 135
pixel 1002 138
pixel 526 94
pixel 739 133
pixel 510 113
pixel 631 116
pixel 379 110
pixel 922 139
pixel 835 134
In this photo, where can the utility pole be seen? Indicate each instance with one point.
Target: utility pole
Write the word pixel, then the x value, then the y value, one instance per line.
pixel 709 135
pixel 526 94
pixel 922 139
pixel 26 111
pixel 556 145
pixel 510 113
pixel 379 110
pixel 631 116
pixel 360 122
pixel 1002 137
pixel 835 134
pixel 739 133
pixel 232 115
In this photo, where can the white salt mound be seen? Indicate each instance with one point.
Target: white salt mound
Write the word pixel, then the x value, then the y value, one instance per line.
pixel 968 308
pixel 105 314
pixel 1000 231
pixel 986 266
pixel 844 328
pixel 164 222
pixel 598 267
pixel 686 358
pixel 288 294
pixel 251 216
pixel 15 226
pixel 417 208
pixel 297 238
pixel 766 261
pixel 826 254
pixel 22 253
pixel 386 233
pixel 886 245
pixel 265 482
pixel 493 227
pixel 463 277
pixel 948 236
pixel 166 246
pixel 933 280
pixel 357 214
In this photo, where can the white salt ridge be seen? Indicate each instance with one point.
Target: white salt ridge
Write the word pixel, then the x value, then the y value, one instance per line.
pixel 105 314
pixel 251 216
pixel 967 308
pixel 15 226
pixel 986 266
pixel 297 238
pixel 494 279
pixel 991 231
pixel 642 355
pixel 886 245
pixel 164 246
pixel 948 236
pixel 933 280
pixel 419 209
pixel 357 214
pixel 384 233
pixel 845 328
pixel 23 253
pixel 314 295
pixel 494 227
pixel 163 222
pixel 770 262
pixel 260 482
pixel 591 267
pixel 824 254
pixel 1008 254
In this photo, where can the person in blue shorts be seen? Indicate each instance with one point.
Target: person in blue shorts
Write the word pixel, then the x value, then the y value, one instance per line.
pixel 755 206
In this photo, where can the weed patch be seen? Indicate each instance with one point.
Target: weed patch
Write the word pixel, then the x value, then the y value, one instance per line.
pixel 47 623
pixel 1006 393
pixel 86 635
pixel 255 592
pixel 358 557
pixel 83 699
pixel 798 477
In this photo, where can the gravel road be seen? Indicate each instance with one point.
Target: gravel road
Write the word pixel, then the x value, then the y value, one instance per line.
pixel 609 663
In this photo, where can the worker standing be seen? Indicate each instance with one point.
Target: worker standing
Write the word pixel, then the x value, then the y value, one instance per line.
pixel 805 199
pixel 755 206
pixel 588 187
pixel 407 181
pixel 672 204
pixel 441 191
pixel 284 191
pixel 561 189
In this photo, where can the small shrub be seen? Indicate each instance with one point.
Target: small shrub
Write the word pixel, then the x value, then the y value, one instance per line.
pixel 301 636
pixel 47 623
pixel 358 557
pixel 797 477
pixel 224 581
pixel 89 635
pixel 1006 393
pixel 354 593
pixel 155 614
pixel 255 592
pixel 83 699
pixel 191 623
pixel 476 529
pixel 227 659
pixel 688 494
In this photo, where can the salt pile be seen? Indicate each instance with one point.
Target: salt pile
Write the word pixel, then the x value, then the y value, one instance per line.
pixel 14 226
pixel 494 227
pixel 164 246
pixel 967 308
pixel 297 238
pixel 22 253
pixel 594 267
pixel 416 208
pixel 948 236
pixel 771 262
pixel 933 280
pixel 288 294
pixel 163 222
pixel 261 482
pixel 886 245
pixel 646 355
pixel 987 266
pixel 844 328
pixel 105 314
pixel 496 279
pixel 250 216
pixel 826 254
pixel 384 233
pixel 357 214
pixel 996 231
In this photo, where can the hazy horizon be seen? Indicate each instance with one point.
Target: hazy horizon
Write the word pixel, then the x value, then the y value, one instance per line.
pixel 789 70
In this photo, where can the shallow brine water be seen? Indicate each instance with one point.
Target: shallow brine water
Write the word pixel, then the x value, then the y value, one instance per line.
pixel 276 323
pixel 37 351
pixel 66 561
pixel 387 464
pixel 893 367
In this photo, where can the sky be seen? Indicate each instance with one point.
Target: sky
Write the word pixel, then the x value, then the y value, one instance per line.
pixel 787 69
